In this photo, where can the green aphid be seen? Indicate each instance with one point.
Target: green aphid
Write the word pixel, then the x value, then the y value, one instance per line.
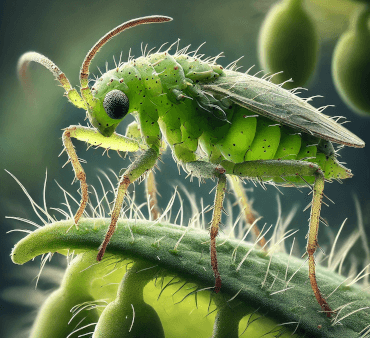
pixel 216 121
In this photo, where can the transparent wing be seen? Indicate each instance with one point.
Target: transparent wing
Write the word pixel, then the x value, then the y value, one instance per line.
pixel 265 98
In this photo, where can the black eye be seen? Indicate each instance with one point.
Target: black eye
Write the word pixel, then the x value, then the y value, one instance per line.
pixel 116 104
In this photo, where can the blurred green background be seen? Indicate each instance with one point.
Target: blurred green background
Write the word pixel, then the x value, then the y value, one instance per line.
pixel 30 130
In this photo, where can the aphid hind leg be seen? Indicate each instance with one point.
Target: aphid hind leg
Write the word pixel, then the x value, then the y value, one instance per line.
pixel 318 191
pixel 208 170
pixel 142 164
pixel 280 168
pixel 91 136
pixel 216 220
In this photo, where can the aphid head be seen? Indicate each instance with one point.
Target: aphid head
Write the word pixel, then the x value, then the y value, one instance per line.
pixel 108 108
pixel 109 111
pixel 105 109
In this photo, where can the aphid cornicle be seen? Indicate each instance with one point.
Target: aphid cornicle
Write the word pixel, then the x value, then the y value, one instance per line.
pixel 217 122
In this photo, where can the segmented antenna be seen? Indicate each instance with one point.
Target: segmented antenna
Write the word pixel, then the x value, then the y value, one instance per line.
pixel 26 58
pixel 22 67
pixel 84 74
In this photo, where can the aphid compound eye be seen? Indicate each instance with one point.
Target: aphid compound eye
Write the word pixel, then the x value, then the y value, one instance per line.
pixel 116 104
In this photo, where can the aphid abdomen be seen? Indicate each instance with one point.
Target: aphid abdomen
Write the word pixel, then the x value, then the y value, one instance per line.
pixel 289 146
pixel 239 137
pixel 265 142
pixel 308 148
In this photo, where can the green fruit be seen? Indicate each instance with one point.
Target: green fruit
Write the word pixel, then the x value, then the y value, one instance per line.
pixel 54 317
pixel 288 42
pixel 128 315
pixel 351 63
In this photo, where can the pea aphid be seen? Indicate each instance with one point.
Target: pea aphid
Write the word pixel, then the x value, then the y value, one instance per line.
pixel 217 122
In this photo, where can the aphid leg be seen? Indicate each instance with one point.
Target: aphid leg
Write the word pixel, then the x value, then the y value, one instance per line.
pixel 91 136
pixel 151 191
pixel 241 196
pixel 216 220
pixel 79 172
pixel 208 170
pixel 285 168
pixel 143 163
pixel 318 190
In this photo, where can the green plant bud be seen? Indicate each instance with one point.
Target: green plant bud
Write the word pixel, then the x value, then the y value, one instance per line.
pixel 288 42
pixel 54 317
pixel 128 315
pixel 351 66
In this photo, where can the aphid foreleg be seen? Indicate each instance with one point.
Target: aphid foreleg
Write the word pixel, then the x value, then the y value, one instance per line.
pixel 280 168
pixel 79 172
pixel 91 136
pixel 143 163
